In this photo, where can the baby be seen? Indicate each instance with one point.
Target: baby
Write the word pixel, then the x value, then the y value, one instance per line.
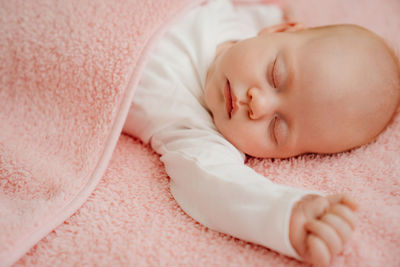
pixel 291 91
pixel 214 90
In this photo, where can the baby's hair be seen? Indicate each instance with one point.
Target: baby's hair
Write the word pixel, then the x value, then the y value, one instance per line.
pixel 396 60
pixel 396 79
pixel 393 83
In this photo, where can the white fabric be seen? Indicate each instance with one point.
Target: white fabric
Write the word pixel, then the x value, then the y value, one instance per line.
pixel 209 179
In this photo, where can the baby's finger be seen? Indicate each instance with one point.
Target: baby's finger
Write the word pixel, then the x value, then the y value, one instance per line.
pixel 333 199
pixel 350 202
pixel 340 225
pixel 344 198
pixel 346 213
pixel 327 234
pixel 318 252
pixel 316 206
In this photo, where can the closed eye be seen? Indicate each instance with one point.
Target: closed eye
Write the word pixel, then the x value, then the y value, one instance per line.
pixel 273 128
pixel 274 74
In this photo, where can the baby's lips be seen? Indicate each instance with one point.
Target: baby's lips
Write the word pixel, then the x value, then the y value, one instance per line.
pixel 228 99
pixel 235 105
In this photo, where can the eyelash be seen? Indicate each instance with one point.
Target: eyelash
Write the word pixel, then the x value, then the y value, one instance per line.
pixel 274 79
pixel 274 122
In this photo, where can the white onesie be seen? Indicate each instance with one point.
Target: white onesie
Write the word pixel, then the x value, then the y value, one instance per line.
pixel 209 179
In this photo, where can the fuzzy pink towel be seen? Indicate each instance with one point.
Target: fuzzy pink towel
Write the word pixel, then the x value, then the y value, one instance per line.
pixel 65 90
pixel 68 70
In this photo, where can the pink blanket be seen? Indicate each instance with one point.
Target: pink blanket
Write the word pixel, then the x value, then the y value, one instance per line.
pixel 75 193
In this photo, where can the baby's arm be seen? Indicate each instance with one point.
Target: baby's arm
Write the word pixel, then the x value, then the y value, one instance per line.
pixel 320 226
pixel 211 183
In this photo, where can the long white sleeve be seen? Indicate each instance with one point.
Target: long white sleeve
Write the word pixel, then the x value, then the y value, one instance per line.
pixel 209 179
pixel 212 184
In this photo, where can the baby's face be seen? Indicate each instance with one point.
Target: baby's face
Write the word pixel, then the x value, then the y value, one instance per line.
pixel 285 93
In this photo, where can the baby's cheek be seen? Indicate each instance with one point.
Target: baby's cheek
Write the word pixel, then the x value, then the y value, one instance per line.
pixel 244 137
pixel 208 98
pixel 229 130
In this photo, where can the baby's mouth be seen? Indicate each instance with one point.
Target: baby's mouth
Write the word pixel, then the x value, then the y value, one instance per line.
pixel 228 99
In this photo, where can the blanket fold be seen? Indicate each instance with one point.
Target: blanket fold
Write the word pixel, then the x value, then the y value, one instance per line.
pixel 68 71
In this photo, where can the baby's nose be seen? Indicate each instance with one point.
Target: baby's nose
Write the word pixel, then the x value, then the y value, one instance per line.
pixel 261 103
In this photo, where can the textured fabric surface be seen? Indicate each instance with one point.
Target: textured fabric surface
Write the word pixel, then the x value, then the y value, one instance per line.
pixel 131 218
pixel 68 69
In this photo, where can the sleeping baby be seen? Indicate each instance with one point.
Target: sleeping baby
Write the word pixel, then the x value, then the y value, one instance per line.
pixel 229 81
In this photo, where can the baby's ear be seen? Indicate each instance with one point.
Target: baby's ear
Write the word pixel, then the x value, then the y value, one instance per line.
pixel 284 27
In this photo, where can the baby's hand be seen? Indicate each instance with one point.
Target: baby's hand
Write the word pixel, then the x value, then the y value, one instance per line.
pixel 320 226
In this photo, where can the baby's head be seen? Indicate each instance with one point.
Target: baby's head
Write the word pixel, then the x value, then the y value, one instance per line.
pixel 290 90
